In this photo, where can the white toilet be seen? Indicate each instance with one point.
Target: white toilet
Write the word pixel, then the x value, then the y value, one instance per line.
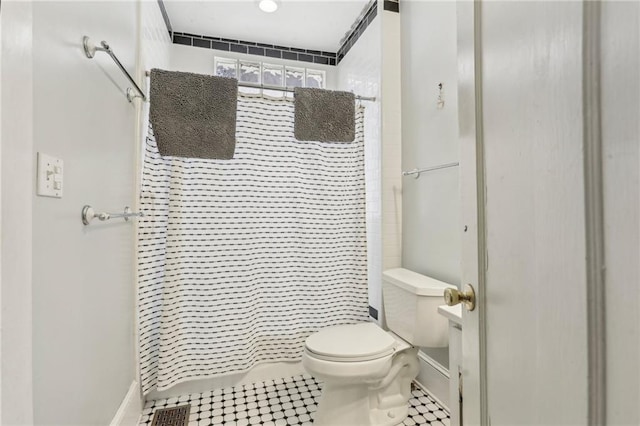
pixel 367 372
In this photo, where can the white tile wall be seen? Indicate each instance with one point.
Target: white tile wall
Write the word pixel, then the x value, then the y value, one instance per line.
pixel 360 72
pixel 155 50
pixel 391 97
pixel 372 68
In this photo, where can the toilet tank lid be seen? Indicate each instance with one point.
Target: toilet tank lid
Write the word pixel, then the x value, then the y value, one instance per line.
pixel 414 282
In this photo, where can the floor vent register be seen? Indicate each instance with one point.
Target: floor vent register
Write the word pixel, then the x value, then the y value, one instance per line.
pixel 174 416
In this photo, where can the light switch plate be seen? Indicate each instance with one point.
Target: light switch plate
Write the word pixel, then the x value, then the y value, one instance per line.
pixel 49 179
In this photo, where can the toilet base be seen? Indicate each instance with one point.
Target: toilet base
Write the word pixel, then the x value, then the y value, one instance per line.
pixel 383 402
pixel 343 405
pixel 389 417
pixel 350 406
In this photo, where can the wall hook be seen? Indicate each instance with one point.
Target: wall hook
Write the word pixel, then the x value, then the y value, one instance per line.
pixel 440 101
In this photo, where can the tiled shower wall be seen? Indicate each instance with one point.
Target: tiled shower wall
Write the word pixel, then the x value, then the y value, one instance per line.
pixel 372 68
pixel 359 72
pixel 391 99
pixel 155 47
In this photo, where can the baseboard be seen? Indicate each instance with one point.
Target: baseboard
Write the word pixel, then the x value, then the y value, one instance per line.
pixel 434 379
pixel 129 411
pixel 433 364
pixel 258 373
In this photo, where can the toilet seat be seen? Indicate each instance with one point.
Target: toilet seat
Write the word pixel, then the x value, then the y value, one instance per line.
pixel 351 343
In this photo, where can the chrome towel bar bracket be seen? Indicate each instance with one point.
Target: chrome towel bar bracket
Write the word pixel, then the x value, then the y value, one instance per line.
pixel 88 214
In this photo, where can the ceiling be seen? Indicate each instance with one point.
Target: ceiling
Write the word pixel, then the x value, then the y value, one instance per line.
pixel 308 24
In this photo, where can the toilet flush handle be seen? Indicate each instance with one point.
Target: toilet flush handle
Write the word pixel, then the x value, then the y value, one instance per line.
pixel 453 296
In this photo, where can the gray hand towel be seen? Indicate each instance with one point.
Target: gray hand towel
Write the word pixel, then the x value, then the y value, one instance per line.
pixel 193 115
pixel 324 115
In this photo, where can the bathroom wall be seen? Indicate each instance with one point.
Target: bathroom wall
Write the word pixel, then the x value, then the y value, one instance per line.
pixel 430 204
pixel 360 71
pixel 16 133
pixel 84 276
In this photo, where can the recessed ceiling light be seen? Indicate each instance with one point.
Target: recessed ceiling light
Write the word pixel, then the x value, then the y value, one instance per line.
pixel 268 6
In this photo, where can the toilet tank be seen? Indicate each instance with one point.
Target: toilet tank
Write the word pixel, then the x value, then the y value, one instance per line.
pixel 411 305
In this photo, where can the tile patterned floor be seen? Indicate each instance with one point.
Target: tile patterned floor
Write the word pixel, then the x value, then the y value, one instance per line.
pixel 281 402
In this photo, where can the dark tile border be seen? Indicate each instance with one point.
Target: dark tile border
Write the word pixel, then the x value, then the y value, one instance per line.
pixel 165 16
pixel 357 30
pixel 178 39
pixel 392 5
pixel 373 312
pixel 283 52
pixel 255 48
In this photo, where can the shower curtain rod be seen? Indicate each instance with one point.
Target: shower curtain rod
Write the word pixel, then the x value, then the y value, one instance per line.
pixel 282 89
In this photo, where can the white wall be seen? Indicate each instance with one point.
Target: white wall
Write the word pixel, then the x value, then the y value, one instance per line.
pixel 360 71
pixel 431 234
pixel 620 91
pixel 83 277
pixel 431 203
pixel 16 227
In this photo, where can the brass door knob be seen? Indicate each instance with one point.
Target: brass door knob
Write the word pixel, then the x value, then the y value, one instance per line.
pixel 453 296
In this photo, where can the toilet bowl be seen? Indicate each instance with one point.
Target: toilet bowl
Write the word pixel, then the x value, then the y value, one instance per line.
pixel 367 371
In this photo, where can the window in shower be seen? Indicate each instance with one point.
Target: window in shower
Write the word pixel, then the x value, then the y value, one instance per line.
pixel 226 68
pixel 315 79
pixel 294 77
pixel 249 72
pixel 270 74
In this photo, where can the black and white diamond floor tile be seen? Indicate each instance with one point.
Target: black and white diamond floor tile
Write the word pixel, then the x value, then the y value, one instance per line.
pixel 281 402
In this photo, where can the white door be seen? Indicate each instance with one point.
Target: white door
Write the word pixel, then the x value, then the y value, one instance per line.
pixel 536 303
pixel 533 212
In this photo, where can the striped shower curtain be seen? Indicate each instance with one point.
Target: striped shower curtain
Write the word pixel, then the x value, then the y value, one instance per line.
pixel 240 260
